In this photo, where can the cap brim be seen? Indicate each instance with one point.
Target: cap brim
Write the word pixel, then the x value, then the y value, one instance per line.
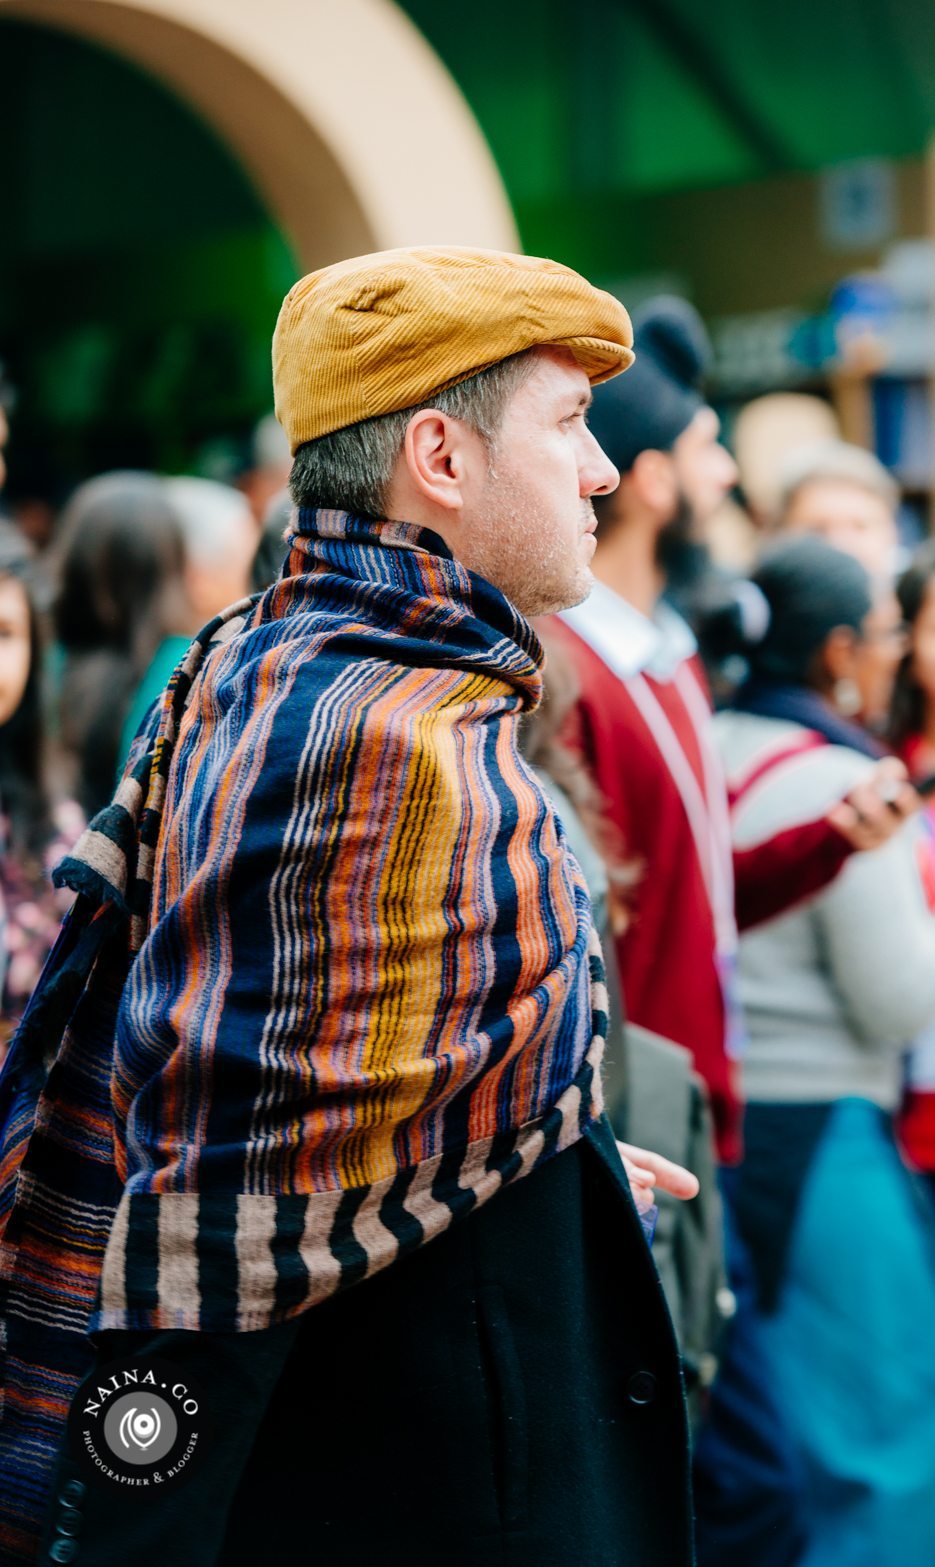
pixel 598 358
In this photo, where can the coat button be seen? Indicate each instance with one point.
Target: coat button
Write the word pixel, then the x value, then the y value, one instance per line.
pixel 69 1522
pixel 63 1551
pixel 641 1388
pixel 73 1493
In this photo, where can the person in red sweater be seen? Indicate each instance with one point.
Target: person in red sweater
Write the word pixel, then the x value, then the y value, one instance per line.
pixel 642 721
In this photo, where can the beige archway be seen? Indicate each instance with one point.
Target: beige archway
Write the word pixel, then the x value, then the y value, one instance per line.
pixel 351 129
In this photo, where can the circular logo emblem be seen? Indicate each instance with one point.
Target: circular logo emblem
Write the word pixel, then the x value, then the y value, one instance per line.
pixel 139 1422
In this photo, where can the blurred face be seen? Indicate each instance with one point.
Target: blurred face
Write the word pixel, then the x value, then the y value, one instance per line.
pixel 15 647
pixel 849 518
pixel 705 470
pixel 530 529
pixel 923 645
pixel 876 658
pixel 211 587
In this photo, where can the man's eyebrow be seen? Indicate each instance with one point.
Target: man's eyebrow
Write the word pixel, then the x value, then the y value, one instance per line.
pixel 586 399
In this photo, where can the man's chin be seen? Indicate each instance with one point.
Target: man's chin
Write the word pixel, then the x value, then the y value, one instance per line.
pixel 575 593
pixel 584 582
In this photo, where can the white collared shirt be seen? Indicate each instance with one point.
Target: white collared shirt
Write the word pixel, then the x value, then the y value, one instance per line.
pixel 628 641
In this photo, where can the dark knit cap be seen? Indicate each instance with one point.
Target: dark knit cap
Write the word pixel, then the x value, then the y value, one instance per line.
pixel 811 589
pixel 648 408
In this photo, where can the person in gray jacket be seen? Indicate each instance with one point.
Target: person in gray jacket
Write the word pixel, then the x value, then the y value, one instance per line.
pixel 833 992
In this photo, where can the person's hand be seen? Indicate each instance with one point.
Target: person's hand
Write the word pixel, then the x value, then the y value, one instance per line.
pixel 646 1171
pixel 876 809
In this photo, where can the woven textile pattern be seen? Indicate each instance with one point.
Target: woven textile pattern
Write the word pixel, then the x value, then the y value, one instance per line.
pixel 329 983
pixel 365 916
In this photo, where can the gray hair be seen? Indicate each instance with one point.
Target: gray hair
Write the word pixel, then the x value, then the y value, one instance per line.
pixel 269 445
pixel 835 462
pixel 351 469
pixel 210 516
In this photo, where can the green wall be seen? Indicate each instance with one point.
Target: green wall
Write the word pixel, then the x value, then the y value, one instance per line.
pixel 596 109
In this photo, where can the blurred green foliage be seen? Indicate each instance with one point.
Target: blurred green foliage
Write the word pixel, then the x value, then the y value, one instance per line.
pixel 140 278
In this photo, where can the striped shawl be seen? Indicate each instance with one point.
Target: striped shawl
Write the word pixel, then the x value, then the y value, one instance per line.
pixel 329 983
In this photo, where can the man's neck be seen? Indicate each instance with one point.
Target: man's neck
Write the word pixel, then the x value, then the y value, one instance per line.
pixel 626 562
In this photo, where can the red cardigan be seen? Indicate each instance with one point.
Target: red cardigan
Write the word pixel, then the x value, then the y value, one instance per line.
pixel 667 956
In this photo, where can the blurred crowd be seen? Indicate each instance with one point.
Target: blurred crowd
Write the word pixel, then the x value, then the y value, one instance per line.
pixel 767 877
pixel 774 936
pixel 92 625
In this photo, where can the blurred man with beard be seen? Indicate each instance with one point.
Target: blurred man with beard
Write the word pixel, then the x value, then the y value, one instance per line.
pixel 642 721
pixel 642 725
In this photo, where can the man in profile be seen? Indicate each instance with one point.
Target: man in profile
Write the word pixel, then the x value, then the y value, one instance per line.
pixel 368 1201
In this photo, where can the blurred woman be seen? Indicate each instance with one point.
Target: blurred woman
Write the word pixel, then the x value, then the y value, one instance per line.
pixel 121 569
pixel 834 991
pixel 219 541
pixel 35 832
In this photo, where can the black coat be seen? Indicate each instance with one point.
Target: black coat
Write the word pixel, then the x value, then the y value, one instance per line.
pixel 508 1396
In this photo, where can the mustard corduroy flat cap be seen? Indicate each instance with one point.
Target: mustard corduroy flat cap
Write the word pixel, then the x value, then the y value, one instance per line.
pixel 383 332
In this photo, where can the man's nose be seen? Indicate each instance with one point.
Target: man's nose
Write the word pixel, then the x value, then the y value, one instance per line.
pixel 597 473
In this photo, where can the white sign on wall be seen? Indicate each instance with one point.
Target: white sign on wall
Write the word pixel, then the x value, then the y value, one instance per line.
pixel 857 204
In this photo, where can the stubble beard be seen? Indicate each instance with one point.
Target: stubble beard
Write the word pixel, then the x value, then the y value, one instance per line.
pixel 523 556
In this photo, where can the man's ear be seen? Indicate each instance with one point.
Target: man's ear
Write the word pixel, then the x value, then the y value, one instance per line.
pixel 655 484
pixel 436 453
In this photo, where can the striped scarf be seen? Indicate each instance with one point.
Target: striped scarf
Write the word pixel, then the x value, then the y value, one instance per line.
pixel 330 981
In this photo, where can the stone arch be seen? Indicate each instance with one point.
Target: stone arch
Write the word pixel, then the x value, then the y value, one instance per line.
pixel 352 131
